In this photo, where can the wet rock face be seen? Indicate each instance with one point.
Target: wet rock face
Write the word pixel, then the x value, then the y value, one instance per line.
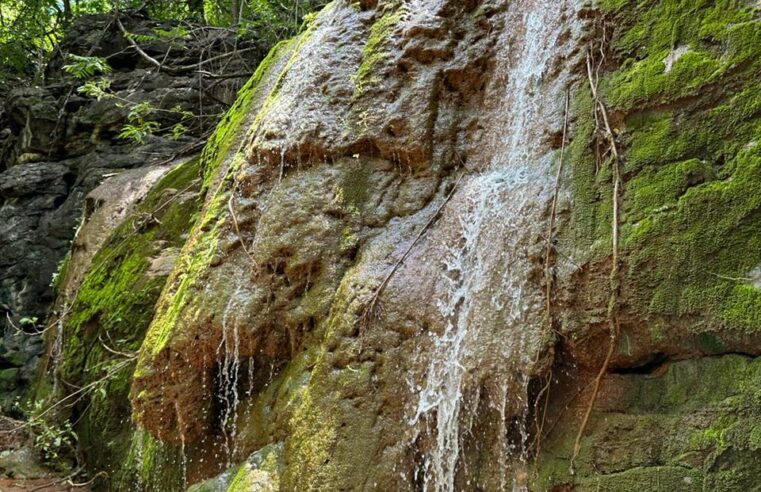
pixel 372 298
pixel 363 270
pixel 56 145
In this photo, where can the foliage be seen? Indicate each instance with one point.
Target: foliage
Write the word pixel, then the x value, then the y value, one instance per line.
pixel 28 322
pixel 96 88
pixel 54 442
pixel 265 20
pixel 83 67
pixel 139 127
pixel 139 130
pixel 30 30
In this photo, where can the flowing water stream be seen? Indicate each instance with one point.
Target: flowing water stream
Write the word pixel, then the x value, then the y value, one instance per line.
pixel 494 330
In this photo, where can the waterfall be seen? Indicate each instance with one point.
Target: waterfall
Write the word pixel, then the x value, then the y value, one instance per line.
pixel 493 319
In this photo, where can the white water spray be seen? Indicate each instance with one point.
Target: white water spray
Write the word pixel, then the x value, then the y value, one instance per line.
pixel 492 331
pixel 228 354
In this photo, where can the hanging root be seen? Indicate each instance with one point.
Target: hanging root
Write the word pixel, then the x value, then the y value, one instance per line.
pixel 548 282
pixel 614 273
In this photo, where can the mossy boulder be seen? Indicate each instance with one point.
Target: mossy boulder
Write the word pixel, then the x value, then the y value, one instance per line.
pixel 106 315
pixel 358 300
pixel 690 234
pixel 680 87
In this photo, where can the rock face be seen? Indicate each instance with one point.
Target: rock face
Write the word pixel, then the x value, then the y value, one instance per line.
pixel 418 232
pixel 56 145
pixel 340 257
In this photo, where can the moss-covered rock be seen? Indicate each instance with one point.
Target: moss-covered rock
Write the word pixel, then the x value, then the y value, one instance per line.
pixel 689 127
pixel 682 93
pixel 108 315
pixel 259 473
pixel 358 213
pixel 690 426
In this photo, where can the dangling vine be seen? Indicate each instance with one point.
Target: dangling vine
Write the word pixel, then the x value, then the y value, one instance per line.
pixel 593 73
pixel 544 393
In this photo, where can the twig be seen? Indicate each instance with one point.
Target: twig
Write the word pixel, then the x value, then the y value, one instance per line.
pixel 38 332
pixel 223 76
pixel 139 50
pixel 540 423
pixel 56 481
pixel 172 69
pixel 67 480
pixel 130 355
pixel 369 309
pixel 84 389
pixel 85 484
pixel 733 279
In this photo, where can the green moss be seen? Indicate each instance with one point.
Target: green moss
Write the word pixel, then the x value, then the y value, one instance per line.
pixel 593 205
pixel 61 272
pixel 230 129
pixel 646 81
pixel 150 465
pixel 689 226
pixel 260 472
pixel 655 189
pixel 335 420
pixel 742 308
pixel 693 251
pixel 722 38
pixel 114 307
pixel 696 421
pixel 376 50
pixel 197 254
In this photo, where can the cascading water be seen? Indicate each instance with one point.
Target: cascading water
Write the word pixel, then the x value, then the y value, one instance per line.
pixel 493 324
pixel 228 354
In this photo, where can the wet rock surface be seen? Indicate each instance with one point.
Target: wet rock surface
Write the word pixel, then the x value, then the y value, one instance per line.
pixel 367 285
pixel 337 280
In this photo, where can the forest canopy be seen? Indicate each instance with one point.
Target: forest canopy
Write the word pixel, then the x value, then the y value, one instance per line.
pixel 30 30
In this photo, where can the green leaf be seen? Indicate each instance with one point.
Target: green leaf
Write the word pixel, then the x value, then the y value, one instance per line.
pixel 83 67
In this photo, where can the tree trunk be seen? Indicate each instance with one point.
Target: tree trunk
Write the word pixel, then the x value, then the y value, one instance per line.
pixel 67 11
pixel 235 12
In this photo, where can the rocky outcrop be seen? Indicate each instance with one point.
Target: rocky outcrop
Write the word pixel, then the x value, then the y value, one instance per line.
pixel 337 279
pixel 484 232
pixel 106 300
pixel 682 96
pixel 57 144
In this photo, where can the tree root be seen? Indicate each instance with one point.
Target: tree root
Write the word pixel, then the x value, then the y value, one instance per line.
pixel 614 272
